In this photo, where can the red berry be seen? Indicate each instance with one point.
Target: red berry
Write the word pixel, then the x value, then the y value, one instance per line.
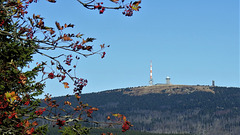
pixel 101 11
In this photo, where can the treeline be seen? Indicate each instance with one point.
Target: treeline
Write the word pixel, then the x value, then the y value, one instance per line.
pixel 193 113
pixel 55 131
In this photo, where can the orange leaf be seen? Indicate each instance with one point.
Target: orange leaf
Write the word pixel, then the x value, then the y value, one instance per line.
pixel 35 123
pixel 27 123
pixel 102 46
pixel 29 132
pixel 77 96
pixel 67 102
pixel 66 85
pixel 58 26
pixel 115 1
pixel 84 41
pixel 65 25
pixel 108 118
pixel 94 109
pixel 38 16
pixel 124 118
pixel 52 31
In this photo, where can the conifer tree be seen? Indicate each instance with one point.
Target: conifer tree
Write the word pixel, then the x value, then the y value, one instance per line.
pixel 19 41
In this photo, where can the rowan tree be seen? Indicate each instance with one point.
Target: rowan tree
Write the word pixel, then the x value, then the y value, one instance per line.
pixel 23 35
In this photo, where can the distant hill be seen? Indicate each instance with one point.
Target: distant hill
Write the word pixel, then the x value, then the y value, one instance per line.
pixel 189 109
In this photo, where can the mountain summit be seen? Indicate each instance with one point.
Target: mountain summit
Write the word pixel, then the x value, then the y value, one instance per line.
pixel 203 110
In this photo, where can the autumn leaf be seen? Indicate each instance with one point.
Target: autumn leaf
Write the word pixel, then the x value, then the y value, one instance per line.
pixel 124 118
pixel 135 5
pixel 53 1
pixel 94 108
pixel 27 123
pixel 13 114
pixel 125 126
pixel 29 132
pixel 58 26
pixel 66 85
pixel 36 17
pixel 66 38
pixel 90 111
pixel 11 96
pixel 67 103
pixel 89 48
pixel 77 96
pixel 35 123
pixel 70 25
pixel 23 79
pixel 102 46
pixel 115 1
pixel 79 35
pixel 52 31
pixel 90 39
pixel 84 41
pixel 117 115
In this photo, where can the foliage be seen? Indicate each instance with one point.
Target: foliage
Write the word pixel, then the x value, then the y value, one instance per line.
pixel 76 129
pixel 108 131
pixel 22 36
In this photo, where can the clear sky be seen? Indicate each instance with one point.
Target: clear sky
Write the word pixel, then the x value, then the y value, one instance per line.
pixel 191 41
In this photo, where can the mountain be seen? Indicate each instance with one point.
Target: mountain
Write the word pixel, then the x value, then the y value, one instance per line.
pixel 202 110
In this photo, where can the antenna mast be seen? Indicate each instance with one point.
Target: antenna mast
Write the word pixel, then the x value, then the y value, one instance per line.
pixel 151 80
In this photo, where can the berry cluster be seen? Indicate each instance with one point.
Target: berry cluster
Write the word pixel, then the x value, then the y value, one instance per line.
pixel 60 123
pixel 51 75
pixel 100 7
pixel 2 23
pixel 68 60
pixel 128 10
pixel 79 83
pixel 40 111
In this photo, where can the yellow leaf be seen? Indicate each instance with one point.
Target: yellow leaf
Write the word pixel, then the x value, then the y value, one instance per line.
pixel 117 115
pixel 135 5
pixel 12 96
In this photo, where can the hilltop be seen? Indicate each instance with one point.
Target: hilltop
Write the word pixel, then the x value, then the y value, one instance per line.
pixel 166 89
pixel 189 109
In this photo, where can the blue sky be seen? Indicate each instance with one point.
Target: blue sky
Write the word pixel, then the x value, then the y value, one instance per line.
pixel 193 42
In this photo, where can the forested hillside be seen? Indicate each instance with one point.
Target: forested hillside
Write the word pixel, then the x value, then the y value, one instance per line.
pixel 171 109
